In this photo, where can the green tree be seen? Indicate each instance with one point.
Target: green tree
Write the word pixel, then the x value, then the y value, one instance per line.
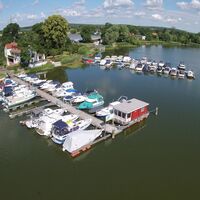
pixel 111 35
pixel 86 32
pixel 55 30
pixel 123 33
pixel 10 33
pixel 25 57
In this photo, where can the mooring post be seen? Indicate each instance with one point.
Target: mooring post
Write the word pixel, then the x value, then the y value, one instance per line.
pixel 156 113
pixel 113 134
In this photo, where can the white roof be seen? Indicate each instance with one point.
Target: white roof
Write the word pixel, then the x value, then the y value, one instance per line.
pixel 130 105
pixel 77 139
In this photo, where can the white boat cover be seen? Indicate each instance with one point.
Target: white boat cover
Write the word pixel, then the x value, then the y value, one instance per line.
pixel 77 139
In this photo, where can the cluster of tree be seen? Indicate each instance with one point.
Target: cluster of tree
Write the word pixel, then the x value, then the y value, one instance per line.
pixel 128 33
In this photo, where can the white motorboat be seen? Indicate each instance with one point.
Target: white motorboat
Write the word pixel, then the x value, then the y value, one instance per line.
pixel 190 74
pixel 113 58
pixel 154 63
pixel 139 67
pixel 38 116
pixel 102 62
pixel 127 59
pixel 22 76
pixel 181 66
pixel 181 74
pixel 19 97
pixel 143 60
pixel 46 85
pixel 79 99
pixel 133 64
pixel 39 82
pixel 61 129
pixel 173 71
pixel 78 139
pixel 161 64
pixel 166 70
pixel 119 58
pixel 46 123
pixel 107 112
pixel 67 85
pixel 152 68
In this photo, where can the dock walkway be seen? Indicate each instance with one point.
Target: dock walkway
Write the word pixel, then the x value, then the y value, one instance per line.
pixel 95 121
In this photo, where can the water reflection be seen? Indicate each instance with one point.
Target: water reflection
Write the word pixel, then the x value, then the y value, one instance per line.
pixel 58 74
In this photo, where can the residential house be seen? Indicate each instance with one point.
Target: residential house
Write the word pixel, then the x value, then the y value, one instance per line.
pixel 75 37
pixel 12 54
pixel 37 59
pixel 96 39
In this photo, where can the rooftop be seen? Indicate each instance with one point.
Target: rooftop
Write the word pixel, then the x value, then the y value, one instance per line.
pixel 75 37
pixel 130 105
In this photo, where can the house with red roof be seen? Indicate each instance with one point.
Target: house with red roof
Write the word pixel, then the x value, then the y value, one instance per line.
pixel 12 54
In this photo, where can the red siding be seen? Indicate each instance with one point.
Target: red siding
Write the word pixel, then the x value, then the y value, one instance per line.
pixel 138 113
pixel 134 115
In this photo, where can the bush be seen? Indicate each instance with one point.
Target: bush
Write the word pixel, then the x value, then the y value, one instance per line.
pixel 83 50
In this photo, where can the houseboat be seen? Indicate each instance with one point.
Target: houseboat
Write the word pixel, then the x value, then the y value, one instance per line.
pixel 130 112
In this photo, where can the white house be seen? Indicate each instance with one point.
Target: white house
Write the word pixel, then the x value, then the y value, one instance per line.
pixel 37 59
pixel 12 54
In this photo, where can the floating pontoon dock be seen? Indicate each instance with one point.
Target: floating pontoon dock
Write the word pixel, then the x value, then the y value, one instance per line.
pixel 95 121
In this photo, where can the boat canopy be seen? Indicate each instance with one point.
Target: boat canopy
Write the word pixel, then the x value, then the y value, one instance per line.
pixel 76 140
pixel 60 124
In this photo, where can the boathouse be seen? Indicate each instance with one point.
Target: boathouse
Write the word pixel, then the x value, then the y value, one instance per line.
pixel 130 111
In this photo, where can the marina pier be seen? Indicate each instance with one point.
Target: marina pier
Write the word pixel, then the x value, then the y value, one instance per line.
pixel 83 115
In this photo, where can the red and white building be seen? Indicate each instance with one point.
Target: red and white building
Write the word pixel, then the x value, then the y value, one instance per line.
pixel 12 54
pixel 130 112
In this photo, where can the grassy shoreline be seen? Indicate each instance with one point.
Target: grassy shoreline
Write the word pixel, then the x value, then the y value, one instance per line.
pixel 73 61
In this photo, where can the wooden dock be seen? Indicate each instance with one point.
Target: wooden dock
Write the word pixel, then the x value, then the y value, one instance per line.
pixel 95 121
pixel 28 111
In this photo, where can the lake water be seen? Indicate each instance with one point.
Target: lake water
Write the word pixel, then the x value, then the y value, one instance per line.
pixel 158 159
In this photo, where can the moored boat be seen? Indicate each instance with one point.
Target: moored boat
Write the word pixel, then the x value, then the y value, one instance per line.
pixel 190 74
pixel 92 101
pixel 80 139
pixel 61 129
pixel 173 72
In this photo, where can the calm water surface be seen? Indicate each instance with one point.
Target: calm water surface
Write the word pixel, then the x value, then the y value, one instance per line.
pixel 157 160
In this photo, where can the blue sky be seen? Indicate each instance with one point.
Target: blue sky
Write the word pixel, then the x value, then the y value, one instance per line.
pixel 182 14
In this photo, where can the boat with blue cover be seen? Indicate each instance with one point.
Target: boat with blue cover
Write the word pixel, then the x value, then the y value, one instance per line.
pixel 61 129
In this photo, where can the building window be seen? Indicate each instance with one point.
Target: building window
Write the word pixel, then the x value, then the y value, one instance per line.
pixel 123 115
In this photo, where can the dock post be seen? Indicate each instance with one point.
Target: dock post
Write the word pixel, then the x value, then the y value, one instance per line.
pixel 113 134
pixel 156 113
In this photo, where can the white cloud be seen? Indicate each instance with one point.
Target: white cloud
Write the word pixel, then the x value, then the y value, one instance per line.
pixel 154 4
pixel 68 12
pixel 194 4
pixel 140 13
pixel 42 15
pixel 117 3
pixel 157 17
pixel 31 16
pixel 35 2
